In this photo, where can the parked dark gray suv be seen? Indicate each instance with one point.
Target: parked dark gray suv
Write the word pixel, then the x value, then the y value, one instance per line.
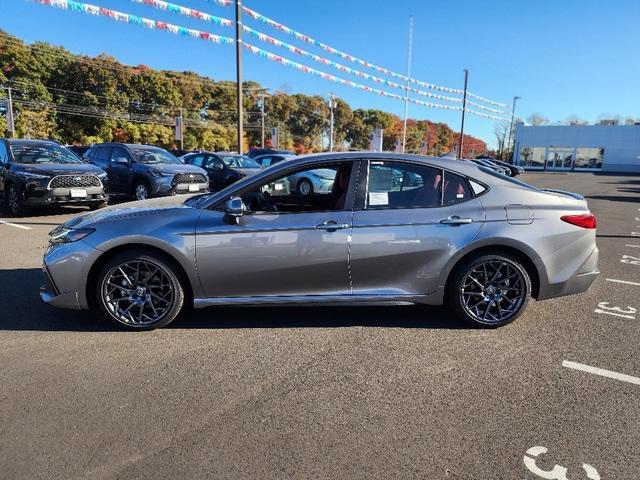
pixel 43 172
pixel 144 171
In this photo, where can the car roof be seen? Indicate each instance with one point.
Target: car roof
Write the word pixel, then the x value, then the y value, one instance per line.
pixel 24 141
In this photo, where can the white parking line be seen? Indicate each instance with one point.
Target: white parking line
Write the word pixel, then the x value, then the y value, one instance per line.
pixel 2 222
pixel 603 373
pixel 633 246
pixel 626 282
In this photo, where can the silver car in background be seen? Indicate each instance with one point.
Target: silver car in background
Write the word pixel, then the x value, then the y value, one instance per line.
pixel 390 229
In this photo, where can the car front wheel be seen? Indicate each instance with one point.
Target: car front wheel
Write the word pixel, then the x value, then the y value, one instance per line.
pixel 140 290
pixel 490 290
pixel 14 201
pixel 141 191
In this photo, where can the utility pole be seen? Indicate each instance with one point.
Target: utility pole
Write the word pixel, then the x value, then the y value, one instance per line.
pixel 513 113
pixel 239 73
pixel 464 110
pixel 261 105
pixel 181 130
pixel 332 105
pixel 406 92
pixel 10 118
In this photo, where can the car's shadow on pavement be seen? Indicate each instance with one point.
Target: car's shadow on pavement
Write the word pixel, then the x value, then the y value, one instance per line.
pixel 22 310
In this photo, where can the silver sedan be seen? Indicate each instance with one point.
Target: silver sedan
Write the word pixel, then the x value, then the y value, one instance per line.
pixel 388 229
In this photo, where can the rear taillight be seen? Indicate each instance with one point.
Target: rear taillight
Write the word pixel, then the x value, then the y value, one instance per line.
pixel 587 220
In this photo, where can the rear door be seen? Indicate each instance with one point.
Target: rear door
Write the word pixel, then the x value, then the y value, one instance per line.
pixel 409 221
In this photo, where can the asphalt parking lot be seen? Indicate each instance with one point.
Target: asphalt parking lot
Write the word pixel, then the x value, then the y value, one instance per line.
pixel 385 392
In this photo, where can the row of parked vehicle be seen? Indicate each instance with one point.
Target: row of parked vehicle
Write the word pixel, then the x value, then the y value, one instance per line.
pixel 36 173
pixel 40 173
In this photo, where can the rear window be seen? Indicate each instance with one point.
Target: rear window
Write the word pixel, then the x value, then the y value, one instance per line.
pixel 493 173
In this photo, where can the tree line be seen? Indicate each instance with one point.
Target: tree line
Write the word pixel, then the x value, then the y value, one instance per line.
pixel 83 100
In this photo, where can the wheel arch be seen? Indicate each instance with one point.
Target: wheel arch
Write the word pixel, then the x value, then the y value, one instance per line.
pixel 530 261
pixel 116 250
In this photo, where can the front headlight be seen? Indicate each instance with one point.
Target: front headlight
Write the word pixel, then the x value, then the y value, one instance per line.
pixel 102 176
pixel 68 235
pixel 158 173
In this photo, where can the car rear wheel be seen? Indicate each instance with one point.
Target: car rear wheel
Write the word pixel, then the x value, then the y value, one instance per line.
pixel 13 199
pixel 490 290
pixel 305 187
pixel 140 290
pixel 141 191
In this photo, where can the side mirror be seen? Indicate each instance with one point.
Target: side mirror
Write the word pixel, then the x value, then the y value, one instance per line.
pixel 122 160
pixel 235 208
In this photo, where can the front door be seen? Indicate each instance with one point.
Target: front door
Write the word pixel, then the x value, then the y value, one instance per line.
pixel 560 159
pixel 405 229
pixel 286 244
pixel 120 170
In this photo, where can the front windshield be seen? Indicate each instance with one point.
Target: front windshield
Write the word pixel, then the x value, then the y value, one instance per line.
pixel 154 156
pixel 239 161
pixel 42 153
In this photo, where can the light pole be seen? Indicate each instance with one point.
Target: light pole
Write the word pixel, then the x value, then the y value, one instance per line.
pixel 261 105
pixel 239 72
pixel 513 114
pixel 406 92
pixel 464 110
pixel 332 105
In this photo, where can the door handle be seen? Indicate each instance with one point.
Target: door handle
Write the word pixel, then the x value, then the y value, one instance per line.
pixel 454 220
pixel 332 226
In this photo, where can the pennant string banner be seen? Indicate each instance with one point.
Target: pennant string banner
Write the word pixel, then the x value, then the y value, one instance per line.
pixel 305 38
pixel 189 12
pixel 74 6
pixel 86 8
pixel 326 76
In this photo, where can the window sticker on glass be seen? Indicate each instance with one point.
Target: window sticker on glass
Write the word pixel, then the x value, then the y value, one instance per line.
pixel 378 198
pixel 460 195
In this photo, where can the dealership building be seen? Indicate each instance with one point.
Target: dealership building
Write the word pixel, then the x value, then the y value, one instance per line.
pixel 607 148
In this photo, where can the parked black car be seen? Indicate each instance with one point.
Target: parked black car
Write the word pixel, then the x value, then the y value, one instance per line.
pixel 223 168
pixel 256 152
pixel 43 172
pixel 144 171
pixel 79 150
pixel 514 169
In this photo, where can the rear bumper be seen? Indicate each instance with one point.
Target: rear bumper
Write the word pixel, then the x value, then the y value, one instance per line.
pixel 577 283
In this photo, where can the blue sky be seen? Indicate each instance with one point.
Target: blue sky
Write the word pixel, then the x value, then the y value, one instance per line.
pixel 562 57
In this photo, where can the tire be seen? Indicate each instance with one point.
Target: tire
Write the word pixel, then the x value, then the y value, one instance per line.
pixel 141 191
pixel 489 290
pixel 305 187
pixel 13 201
pixel 140 290
pixel 97 206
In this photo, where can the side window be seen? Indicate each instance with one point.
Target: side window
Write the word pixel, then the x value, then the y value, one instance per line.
pixel 403 185
pixel 456 189
pixel 308 190
pixel 214 163
pixel 103 153
pixel 119 153
pixel 4 156
pixel 266 161
pixel 197 160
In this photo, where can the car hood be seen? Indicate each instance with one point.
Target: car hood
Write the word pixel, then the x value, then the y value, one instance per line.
pixel 139 208
pixel 173 168
pixel 53 169
pixel 246 172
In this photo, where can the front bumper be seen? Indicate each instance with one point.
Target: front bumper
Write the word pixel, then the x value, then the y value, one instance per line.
pixel 38 196
pixel 164 186
pixel 66 270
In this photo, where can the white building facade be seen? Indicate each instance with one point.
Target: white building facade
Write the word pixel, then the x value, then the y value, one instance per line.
pixel 608 148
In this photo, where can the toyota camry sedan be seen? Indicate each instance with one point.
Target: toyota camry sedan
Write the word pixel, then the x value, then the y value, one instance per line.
pixel 389 229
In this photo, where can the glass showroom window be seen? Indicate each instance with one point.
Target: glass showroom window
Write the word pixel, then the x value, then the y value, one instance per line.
pixel 532 156
pixel 589 157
